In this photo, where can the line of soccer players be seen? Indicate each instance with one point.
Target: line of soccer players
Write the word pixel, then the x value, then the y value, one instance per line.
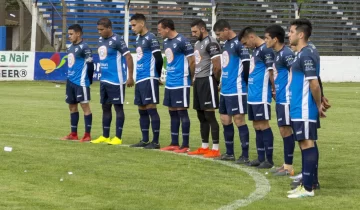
pixel 247 85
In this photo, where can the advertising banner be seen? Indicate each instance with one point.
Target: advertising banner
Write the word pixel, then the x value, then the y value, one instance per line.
pixel 16 65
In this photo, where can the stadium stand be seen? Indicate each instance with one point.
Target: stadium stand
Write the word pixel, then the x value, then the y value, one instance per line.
pixel 336 22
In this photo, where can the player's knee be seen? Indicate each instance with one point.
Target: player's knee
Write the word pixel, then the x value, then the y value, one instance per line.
pixel 239 120
pixel 285 131
pixel 201 116
pixel 119 109
pixel 225 119
pixel 306 144
pixel 73 108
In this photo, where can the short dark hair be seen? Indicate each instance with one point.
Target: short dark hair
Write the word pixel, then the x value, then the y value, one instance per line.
pixel 138 16
pixel 106 22
pixel 276 31
pixel 303 25
pixel 76 28
pixel 167 23
pixel 245 32
pixel 221 24
pixel 199 23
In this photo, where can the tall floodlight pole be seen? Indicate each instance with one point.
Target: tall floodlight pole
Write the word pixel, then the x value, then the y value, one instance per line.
pixel 63 37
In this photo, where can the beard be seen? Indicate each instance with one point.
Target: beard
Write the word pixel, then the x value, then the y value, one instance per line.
pixel 201 36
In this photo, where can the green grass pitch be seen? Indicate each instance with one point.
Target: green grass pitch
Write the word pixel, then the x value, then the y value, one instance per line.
pixel 34 115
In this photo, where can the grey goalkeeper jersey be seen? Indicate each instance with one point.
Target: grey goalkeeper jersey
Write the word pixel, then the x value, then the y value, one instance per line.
pixel 205 50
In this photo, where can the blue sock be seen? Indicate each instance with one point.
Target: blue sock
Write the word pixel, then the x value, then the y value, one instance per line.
pixel 289 146
pixel 185 122
pixel 310 159
pixel 268 139
pixel 260 145
pixel 144 124
pixel 175 126
pixel 74 120
pixel 244 139
pixel 155 124
pixel 120 119
pixel 88 123
pixel 229 138
pixel 316 179
pixel 106 120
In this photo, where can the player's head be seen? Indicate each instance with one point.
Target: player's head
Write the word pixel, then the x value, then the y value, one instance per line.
pixel 165 26
pixel 137 23
pixel 274 34
pixel 247 37
pixel 222 29
pixel 104 27
pixel 300 29
pixel 75 32
pixel 198 29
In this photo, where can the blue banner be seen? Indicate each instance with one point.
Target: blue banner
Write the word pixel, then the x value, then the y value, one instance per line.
pixel 54 67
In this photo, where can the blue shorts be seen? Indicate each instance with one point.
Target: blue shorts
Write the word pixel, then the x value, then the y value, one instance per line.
pixel 233 105
pixel 147 92
pixel 304 130
pixel 258 112
pixel 76 94
pixel 178 98
pixel 283 114
pixel 111 94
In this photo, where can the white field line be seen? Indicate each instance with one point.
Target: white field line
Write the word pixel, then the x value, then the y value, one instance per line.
pixel 262 185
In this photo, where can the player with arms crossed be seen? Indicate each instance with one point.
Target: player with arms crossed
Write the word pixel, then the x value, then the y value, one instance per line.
pixel 206 99
pixel 305 103
pixel 261 85
pixel 180 63
pixel 275 38
pixel 233 91
pixel 112 53
pixel 80 69
pixel 148 70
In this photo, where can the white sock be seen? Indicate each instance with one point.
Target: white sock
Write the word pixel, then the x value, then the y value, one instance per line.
pixel 215 147
pixel 204 145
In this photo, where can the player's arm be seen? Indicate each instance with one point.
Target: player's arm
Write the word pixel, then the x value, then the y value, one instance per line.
pixel 244 55
pixel 214 51
pixel 308 65
pixel 188 51
pixel 269 63
pixel 155 49
pixel 123 49
pixel 130 64
pixel 89 62
pixel 324 100
pixel 191 60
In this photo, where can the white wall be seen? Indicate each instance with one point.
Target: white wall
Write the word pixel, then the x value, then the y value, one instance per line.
pixel 340 68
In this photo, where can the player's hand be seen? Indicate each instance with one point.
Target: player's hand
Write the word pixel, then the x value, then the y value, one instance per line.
pixel 273 93
pixel 130 82
pixel 161 82
pixel 325 103
pixel 321 111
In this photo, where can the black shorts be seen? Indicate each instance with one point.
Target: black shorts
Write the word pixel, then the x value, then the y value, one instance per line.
pixel 233 104
pixel 178 98
pixel 76 94
pixel 257 112
pixel 147 92
pixel 112 94
pixel 205 93
pixel 304 130
pixel 283 114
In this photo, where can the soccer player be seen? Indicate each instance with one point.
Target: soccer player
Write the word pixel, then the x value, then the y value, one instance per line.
pixel 207 75
pixel 260 89
pixel 233 91
pixel 274 38
pixel 148 71
pixel 326 105
pixel 78 82
pixel 305 103
pixel 114 55
pixel 180 66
